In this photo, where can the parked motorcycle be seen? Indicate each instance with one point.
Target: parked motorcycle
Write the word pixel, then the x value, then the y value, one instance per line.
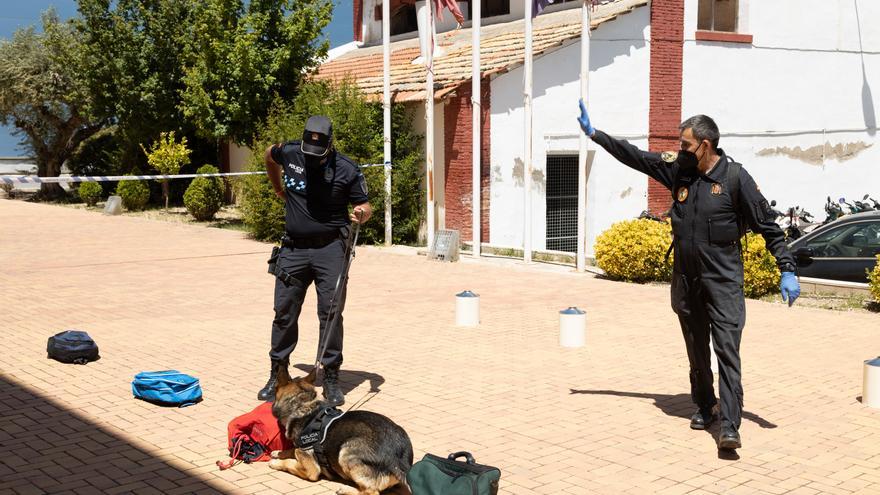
pixel 862 205
pixel 833 211
pixel 799 222
pixel 852 207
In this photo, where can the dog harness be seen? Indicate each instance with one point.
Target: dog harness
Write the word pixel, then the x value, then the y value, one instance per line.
pixel 312 435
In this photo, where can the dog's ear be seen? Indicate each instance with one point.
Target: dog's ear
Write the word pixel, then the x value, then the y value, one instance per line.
pixel 283 377
pixel 311 377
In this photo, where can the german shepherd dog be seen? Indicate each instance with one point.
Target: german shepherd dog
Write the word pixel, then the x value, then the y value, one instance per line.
pixel 362 447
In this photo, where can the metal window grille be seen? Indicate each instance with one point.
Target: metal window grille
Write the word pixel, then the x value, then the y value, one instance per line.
pixel 446 245
pixel 562 197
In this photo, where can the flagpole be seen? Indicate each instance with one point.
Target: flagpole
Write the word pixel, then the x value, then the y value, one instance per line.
pixel 581 261
pixel 476 149
pixel 386 112
pixel 429 117
pixel 527 142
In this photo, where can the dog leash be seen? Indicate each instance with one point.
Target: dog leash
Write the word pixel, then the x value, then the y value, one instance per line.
pixel 333 312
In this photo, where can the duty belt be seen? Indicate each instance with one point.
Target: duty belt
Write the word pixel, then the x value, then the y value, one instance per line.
pixel 309 242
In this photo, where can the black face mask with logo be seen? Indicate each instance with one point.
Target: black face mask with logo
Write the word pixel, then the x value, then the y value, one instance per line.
pixel 687 160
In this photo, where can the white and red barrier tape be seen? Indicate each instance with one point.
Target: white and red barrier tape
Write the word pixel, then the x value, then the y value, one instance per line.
pixel 31 179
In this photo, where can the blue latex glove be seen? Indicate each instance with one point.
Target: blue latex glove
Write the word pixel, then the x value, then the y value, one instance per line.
pixel 584 120
pixel 789 287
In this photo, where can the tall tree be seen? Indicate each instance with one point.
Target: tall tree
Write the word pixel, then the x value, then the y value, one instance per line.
pixel 135 74
pixel 43 95
pixel 244 55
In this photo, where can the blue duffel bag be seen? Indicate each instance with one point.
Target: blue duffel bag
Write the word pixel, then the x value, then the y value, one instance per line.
pixel 167 388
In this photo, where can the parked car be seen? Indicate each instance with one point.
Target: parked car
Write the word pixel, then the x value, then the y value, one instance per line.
pixel 840 250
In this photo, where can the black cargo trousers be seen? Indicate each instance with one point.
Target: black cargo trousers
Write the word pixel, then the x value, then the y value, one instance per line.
pixel 305 262
pixel 708 306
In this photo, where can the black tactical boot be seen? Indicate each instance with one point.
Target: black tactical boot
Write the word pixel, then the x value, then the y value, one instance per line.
pixel 729 439
pixel 702 419
pixel 332 392
pixel 267 393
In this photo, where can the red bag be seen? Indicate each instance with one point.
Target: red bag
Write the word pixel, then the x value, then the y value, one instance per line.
pixel 253 436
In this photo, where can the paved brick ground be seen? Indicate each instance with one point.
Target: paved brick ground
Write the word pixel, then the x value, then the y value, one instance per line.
pixel 607 418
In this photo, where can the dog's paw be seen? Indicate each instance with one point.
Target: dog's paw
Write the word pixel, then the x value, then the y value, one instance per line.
pixel 276 464
pixel 274 454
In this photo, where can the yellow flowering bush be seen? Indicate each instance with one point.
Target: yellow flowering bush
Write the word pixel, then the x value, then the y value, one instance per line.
pixel 760 274
pixel 874 280
pixel 634 251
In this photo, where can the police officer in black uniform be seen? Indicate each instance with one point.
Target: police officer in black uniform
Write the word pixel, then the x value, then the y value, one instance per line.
pixel 712 205
pixel 317 184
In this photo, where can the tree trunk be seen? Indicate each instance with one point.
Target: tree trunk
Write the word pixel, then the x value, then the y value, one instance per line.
pixel 52 168
pixel 165 192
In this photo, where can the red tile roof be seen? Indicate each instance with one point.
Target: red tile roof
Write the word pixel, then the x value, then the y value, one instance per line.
pixel 501 49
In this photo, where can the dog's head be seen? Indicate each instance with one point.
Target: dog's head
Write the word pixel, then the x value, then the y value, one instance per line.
pixel 293 396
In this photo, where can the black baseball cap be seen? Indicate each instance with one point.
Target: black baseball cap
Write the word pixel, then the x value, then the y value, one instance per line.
pixel 317 136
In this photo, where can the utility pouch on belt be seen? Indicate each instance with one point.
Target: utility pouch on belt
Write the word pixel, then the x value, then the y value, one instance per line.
pixel 434 475
pixel 273 259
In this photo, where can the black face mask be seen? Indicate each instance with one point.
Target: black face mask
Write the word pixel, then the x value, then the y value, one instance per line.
pixel 687 160
pixel 313 162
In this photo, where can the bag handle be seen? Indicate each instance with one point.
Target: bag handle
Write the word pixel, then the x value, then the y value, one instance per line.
pixel 467 455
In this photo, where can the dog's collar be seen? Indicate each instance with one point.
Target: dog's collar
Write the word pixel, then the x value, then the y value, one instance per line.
pixel 315 427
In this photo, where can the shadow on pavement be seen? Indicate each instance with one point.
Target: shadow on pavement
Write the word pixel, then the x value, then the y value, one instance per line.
pixel 350 379
pixel 678 405
pixel 47 448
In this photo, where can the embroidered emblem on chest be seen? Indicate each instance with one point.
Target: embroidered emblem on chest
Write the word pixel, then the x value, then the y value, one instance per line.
pixel 716 189
pixel 682 194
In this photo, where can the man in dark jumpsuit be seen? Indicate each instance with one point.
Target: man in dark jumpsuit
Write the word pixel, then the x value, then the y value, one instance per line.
pixel 707 214
pixel 317 184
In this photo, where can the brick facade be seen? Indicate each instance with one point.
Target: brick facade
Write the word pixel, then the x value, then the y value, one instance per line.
pixel 457 132
pixel 357 19
pixel 667 38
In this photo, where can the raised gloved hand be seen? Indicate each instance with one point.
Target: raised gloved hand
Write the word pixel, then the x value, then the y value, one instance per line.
pixel 789 287
pixel 584 120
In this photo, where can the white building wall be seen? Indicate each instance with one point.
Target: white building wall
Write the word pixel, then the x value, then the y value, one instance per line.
pixel 791 102
pixel 619 70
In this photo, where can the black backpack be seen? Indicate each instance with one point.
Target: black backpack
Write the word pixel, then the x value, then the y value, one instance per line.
pixel 72 346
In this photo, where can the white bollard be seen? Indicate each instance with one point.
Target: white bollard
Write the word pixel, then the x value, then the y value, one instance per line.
pixel 871 383
pixel 572 327
pixel 467 309
pixel 113 206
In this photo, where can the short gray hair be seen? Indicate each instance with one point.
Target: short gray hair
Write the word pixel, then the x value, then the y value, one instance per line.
pixel 703 127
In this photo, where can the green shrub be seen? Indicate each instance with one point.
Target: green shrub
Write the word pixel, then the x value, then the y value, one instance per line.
pixel 634 251
pixel 90 192
pixel 874 280
pixel 760 274
pixel 357 133
pixel 204 196
pixel 134 193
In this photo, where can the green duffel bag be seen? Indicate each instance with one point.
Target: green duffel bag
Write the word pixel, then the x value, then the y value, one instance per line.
pixel 435 475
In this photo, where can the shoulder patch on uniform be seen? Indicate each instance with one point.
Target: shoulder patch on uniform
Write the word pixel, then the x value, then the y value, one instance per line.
pixel 669 156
